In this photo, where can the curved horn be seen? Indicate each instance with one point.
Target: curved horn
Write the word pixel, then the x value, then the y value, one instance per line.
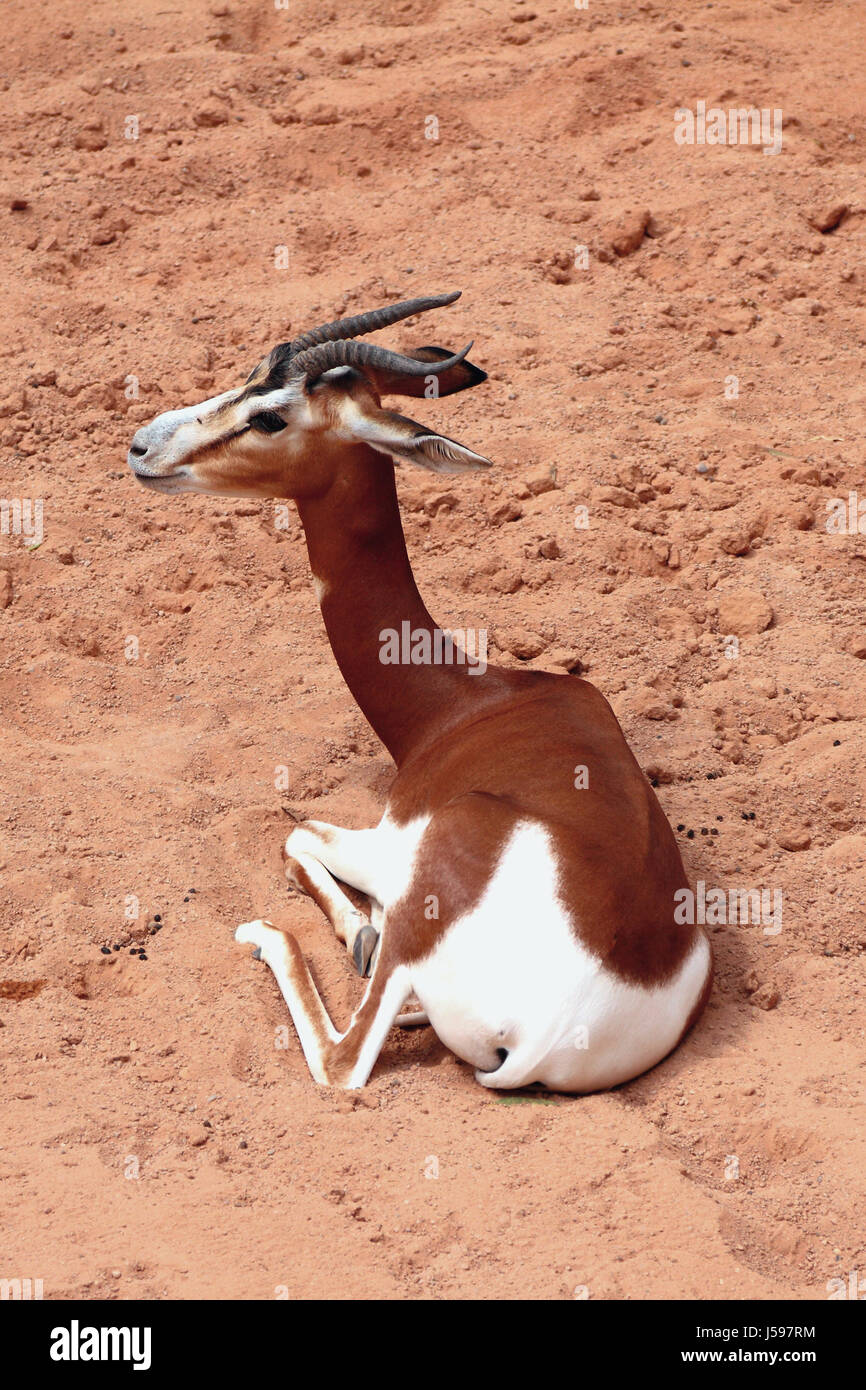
pixel 369 322
pixel 347 352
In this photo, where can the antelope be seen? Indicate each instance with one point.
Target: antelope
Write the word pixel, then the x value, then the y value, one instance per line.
pixel 529 912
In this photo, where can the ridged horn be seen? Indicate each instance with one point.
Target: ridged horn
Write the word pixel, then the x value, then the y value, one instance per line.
pixel 348 352
pixel 369 322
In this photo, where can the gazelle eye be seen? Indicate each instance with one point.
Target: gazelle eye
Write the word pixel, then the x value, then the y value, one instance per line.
pixel 267 422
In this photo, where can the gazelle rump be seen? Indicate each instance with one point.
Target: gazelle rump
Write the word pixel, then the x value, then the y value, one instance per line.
pixel 530 910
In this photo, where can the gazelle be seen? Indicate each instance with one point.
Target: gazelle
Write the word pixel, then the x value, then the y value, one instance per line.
pixel 531 912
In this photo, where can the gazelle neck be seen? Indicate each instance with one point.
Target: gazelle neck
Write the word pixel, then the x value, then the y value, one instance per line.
pixel 367 591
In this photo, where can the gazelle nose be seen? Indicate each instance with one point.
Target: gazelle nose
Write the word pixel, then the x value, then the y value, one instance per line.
pixel 139 450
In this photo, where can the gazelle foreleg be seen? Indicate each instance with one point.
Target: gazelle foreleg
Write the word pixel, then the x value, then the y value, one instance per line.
pixel 335 1059
pixel 316 856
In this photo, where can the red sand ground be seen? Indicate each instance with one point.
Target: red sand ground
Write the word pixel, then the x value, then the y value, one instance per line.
pixel 735 1169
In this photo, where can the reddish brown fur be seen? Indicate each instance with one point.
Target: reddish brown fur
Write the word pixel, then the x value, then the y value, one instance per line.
pixel 477 754
pixel 514 736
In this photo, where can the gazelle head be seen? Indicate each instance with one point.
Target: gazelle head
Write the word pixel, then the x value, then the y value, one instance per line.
pixel 284 432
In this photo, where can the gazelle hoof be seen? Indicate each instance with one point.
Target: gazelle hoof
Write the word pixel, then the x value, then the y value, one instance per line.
pixel 364 949
pixel 252 934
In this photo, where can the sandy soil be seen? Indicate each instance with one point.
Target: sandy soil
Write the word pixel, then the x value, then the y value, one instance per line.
pixel 161 659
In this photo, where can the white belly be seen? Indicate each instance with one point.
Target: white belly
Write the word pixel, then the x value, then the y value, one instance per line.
pixel 512 975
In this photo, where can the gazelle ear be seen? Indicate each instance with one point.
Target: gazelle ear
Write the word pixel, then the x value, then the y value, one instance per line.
pixel 394 434
pixel 446 383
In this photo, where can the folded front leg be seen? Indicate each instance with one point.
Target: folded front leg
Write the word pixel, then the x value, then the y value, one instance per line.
pixel 335 1059
pixel 316 856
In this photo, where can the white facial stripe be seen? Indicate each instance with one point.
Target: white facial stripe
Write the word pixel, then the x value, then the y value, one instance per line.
pixel 173 434
pixel 176 434
pixel 274 400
